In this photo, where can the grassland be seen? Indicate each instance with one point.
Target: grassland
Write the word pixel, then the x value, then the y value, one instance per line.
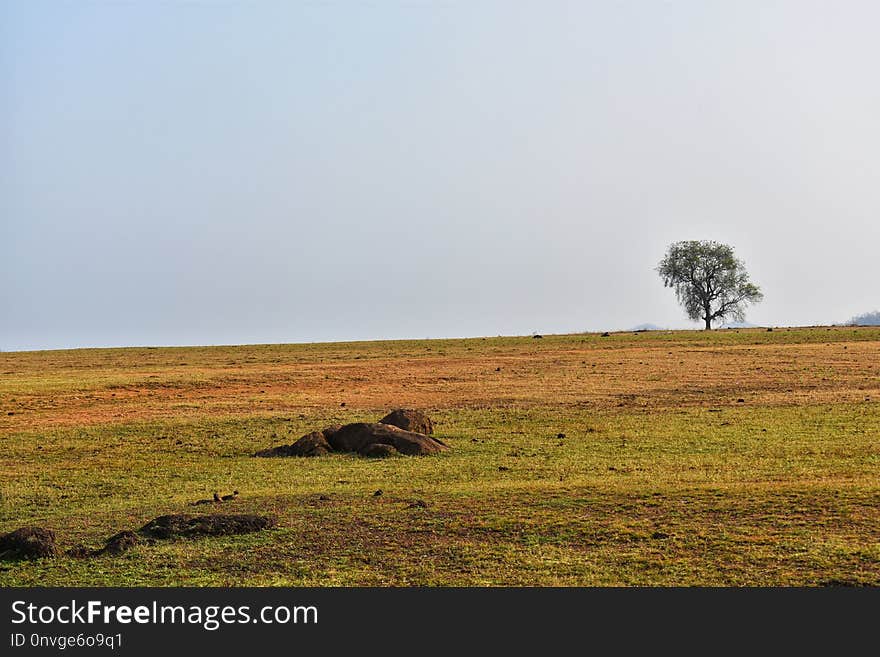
pixel 741 457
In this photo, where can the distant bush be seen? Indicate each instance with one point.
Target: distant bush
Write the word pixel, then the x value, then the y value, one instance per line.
pixel 868 319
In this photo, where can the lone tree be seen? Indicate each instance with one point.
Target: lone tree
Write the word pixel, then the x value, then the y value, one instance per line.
pixel 709 281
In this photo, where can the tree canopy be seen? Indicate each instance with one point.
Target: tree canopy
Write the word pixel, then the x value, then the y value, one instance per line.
pixel 868 319
pixel 709 281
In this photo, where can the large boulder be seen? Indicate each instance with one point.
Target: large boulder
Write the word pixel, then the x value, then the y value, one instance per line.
pixel 377 439
pixel 409 420
pixel 312 444
pixel 359 436
pixel 28 543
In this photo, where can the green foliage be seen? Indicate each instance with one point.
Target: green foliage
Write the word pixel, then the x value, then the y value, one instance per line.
pixel 709 281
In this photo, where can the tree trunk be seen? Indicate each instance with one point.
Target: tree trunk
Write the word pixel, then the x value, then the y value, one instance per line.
pixel 707 309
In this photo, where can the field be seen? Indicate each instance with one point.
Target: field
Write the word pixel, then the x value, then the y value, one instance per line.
pixel 735 457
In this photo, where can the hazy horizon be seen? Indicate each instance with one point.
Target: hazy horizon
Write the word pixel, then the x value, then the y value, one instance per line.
pixel 241 173
pixel 632 329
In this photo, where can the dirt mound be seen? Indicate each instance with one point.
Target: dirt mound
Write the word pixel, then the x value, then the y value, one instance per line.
pixel 174 526
pixel 409 420
pixel 220 524
pixel 119 543
pixel 359 436
pixel 28 543
pixel 312 444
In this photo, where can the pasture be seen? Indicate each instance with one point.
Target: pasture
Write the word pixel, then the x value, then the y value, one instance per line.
pixel 731 457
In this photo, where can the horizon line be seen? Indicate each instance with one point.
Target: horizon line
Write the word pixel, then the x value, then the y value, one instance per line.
pixel 428 339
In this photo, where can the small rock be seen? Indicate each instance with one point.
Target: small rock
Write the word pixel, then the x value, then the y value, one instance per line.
pixel 377 493
pixel 503 468
pixel 560 435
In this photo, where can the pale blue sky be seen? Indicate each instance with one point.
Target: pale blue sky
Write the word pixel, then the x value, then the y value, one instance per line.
pixel 240 172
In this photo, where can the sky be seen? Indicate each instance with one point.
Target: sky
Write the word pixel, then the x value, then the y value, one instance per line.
pixel 230 172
